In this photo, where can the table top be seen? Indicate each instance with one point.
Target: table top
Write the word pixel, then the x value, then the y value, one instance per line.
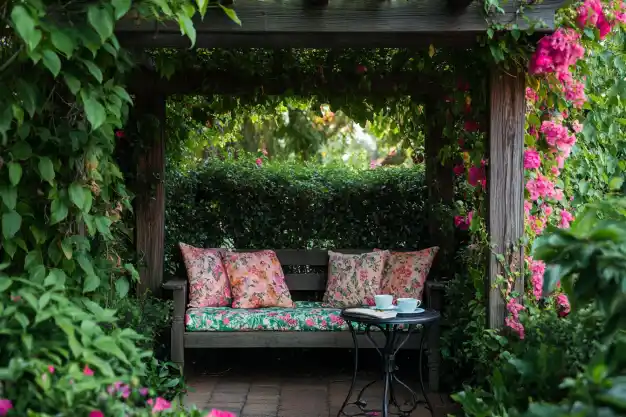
pixel 428 316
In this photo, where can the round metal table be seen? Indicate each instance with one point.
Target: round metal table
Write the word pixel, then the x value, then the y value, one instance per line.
pixel 397 331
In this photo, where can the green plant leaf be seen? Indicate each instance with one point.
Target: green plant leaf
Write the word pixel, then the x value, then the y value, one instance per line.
pixel 15 172
pixel 72 83
pixel 77 195
pixel 616 183
pixel 187 28
pixel 62 42
pixel 95 112
pixel 107 344
pixel 93 70
pixel 101 20
pixel 46 169
pixel 25 26
pixel 11 223
pixel 202 6
pixel 58 211
pixel 92 282
pixel 121 7
pixel 122 287
pixel 232 15
pixel 51 60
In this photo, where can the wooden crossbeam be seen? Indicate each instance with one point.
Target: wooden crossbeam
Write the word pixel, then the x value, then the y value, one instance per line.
pixel 203 82
pixel 340 23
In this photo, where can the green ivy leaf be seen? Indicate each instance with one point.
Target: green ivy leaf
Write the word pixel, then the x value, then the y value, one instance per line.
pixel 121 93
pixel 103 224
pixel 85 264
pixel 93 70
pixel 186 27
pixel 72 83
pixel 15 172
pixel 95 112
pixel 66 247
pixel 92 282
pixel 9 196
pixel 77 195
pixel 101 20
pixel 202 6
pixel 46 169
pixel 58 211
pixel 62 42
pixel 51 60
pixel 24 24
pixel 121 7
pixel 232 15
pixel 11 223
pixel 21 151
pixel 122 287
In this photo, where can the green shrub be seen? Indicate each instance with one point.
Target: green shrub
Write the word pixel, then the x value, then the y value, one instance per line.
pixel 238 204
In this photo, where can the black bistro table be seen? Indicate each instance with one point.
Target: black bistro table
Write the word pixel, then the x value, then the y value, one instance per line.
pixel 397 331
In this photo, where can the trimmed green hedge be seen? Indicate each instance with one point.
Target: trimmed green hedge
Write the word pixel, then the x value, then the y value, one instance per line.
pixel 237 204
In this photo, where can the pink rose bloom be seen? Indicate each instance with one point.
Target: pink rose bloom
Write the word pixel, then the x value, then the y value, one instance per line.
pixel 531 95
pixel 219 413
pixel 477 176
pixel 87 371
pixel 577 126
pixel 537 269
pixel 161 404
pixel 464 222
pixel 566 218
pixel 96 413
pixel 527 207
pixel 459 169
pixel 563 306
pixel 532 160
pixel 5 406
pixel 259 162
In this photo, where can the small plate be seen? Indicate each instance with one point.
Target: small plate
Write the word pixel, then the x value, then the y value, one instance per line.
pixel 392 307
pixel 414 312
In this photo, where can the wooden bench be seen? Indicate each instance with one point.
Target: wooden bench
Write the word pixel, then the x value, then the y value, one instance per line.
pixel 305 274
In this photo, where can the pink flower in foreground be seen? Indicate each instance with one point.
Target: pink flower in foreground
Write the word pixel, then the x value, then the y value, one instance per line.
pixel 540 187
pixel 160 404
pixel 566 218
pixel 87 371
pixel 220 413
pixel 532 160
pixel 96 413
pixel 577 126
pixel 259 162
pixel 531 95
pixel 464 222
pixel 5 406
pixel 563 306
pixel 459 169
pixel 537 269
pixel 143 391
pixel 51 369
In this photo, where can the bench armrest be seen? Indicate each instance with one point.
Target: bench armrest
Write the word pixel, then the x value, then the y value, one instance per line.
pixel 175 285
pixel 179 287
pixel 435 292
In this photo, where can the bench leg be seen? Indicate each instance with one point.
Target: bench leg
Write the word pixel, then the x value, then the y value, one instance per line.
pixel 178 343
pixel 434 358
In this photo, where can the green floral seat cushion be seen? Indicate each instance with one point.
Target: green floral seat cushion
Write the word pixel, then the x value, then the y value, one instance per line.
pixel 308 316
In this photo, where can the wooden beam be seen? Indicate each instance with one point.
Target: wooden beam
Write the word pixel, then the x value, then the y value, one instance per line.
pixel 150 191
pixel 332 84
pixel 341 23
pixel 505 185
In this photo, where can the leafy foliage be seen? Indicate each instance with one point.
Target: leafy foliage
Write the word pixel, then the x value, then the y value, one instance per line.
pixel 292 206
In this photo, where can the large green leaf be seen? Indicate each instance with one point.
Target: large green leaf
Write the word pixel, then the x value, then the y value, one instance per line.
pixel 95 112
pixel 46 169
pixel 11 223
pixel 101 20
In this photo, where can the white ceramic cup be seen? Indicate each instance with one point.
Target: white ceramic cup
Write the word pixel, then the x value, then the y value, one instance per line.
pixel 383 300
pixel 408 305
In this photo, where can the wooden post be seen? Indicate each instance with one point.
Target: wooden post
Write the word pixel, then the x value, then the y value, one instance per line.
pixel 440 182
pixel 505 185
pixel 150 191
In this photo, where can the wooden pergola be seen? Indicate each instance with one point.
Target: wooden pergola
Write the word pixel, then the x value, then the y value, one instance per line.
pixel 278 24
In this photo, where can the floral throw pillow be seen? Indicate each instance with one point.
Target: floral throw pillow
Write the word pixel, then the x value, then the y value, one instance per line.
pixel 208 283
pixel 256 279
pixel 406 273
pixel 353 280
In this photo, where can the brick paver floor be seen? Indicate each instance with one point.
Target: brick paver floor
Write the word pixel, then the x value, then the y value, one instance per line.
pixel 280 396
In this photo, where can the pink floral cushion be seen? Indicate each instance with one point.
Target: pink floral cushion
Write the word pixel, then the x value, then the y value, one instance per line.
pixel 256 279
pixel 406 273
pixel 353 280
pixel 208 283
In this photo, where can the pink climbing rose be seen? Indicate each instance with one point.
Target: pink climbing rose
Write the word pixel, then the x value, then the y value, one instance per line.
pixel 160 404
pixel 537 270
pixel 477 176
pixel 532 160
pixel 459 169
pixel 566 218
pixel 464 222
pixel 540 187
pixel 96 413
pixel 259 162
pixel 5 406
pixel 563 306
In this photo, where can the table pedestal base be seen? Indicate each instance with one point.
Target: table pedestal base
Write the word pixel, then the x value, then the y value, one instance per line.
pixel 395 338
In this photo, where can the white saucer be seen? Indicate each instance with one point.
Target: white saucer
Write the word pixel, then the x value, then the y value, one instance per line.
pixel 392 307
pixel 416 311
